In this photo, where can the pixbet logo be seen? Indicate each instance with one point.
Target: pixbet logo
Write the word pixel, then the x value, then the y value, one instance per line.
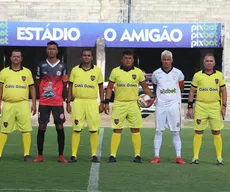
pixel 4 33
pixel 204 35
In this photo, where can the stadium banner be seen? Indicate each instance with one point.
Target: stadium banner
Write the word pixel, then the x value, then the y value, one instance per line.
pixel 151 35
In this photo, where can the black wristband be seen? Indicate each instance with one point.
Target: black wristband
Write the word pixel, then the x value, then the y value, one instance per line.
pixel 190 105
pixel 102 101
pixel 106 101
pixel 67 101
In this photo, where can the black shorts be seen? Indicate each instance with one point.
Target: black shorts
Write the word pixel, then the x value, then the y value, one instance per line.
pixel 44 114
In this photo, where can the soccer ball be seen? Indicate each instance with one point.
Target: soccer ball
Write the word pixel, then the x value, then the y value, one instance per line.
pixel 143 101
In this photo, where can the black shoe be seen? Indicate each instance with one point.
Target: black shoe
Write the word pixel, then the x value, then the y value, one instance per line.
pixel 27 158
pixel 112 159
pixel 195 161
pixel 95 159
pixel 219 161
pixel 72 159
pixel 137 159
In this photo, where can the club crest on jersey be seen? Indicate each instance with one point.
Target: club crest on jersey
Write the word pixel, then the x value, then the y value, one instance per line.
pixel 23 78
pixel 134 76
pixel 217 81
pixel 76 121
pixel 92 77
pixel 116 121
pixel 198 121
pixel 5 124
pixel 58 73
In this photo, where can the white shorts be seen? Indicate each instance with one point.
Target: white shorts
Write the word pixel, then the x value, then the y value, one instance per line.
pixel 168 116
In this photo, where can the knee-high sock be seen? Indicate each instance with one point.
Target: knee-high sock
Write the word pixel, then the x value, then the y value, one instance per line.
pixel 177 142
pixel 158 142
pixel 26 138
pixel 197 141
pixel 115 142
pixel 75 142
pixel 60 140
pixel 94 142
pixel 40 140
pixel 136 139
pixel 218 145
pixel 3 139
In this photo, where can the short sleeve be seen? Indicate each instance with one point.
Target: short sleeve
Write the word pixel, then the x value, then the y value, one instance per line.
pixel 112 76
pixel 38 72
pixel 1 77
pixel 195 80
pixel 222 81
pixel 30 79
pixel 154 79
pixel 100 77
pixel 64 74
pixel 71 78
pixel 181 76
pixel 142 77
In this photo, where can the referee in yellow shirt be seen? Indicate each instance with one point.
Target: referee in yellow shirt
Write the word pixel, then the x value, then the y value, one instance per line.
pixel 85 82
pixel 126 80
pixel 15 83
pixel 208 83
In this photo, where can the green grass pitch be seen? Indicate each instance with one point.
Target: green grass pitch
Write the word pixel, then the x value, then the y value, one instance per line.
pixel 123 176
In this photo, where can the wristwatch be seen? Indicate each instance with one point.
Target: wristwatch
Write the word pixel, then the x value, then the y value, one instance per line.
pixel 225 105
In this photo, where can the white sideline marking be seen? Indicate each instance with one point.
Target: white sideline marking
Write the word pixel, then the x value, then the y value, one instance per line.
pixel 32 190
pixel 94 170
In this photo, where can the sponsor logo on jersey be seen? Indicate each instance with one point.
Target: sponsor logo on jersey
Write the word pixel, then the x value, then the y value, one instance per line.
pixel 126 85
pixel 208 89
pixel 168 91
pixel 48 94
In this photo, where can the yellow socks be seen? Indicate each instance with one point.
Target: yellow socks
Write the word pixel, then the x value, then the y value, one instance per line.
pixel 197 140
pixel 115 141
pixel 75 142
pixel 94 142
pixel 3 138
pixel 26 138
pixel 218 145
pixel 136 139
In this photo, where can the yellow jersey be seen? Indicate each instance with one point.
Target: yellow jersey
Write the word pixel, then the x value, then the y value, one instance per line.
pixel 16 84
pixel 85 83
pixel 126 83
pixel 208 86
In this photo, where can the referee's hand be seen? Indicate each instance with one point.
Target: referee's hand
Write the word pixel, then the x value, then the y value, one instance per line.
pixel 107 110
pixel 223 111
pixel 190 113
pixel 101 107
